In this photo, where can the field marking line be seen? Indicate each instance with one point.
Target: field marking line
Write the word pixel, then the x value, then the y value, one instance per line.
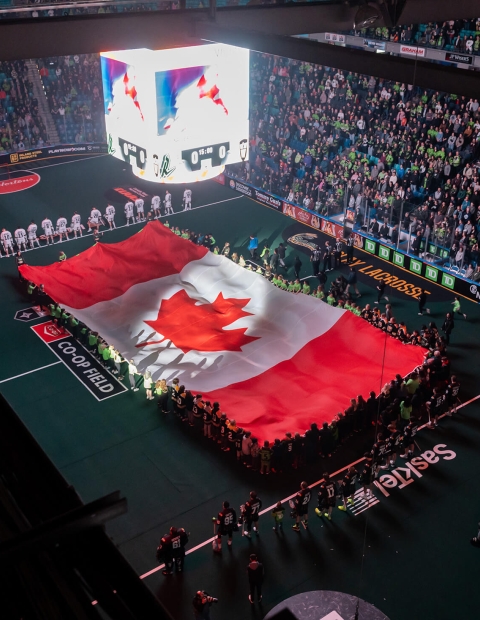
pixel 84 158
pixel 311 486
pixel 30 371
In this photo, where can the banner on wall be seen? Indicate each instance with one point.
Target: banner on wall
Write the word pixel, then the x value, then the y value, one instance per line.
pixel 412 50
pixel 62 150
pixel 426 270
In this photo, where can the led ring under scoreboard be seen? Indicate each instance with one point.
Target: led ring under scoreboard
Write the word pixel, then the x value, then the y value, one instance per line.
pixel 213 156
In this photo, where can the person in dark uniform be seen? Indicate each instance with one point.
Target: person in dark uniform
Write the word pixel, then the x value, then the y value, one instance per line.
pixel 408 438
pixel 301 501
pixel 327 257
pixel 337 253
pixel 349 249
pixel 393 443
pixel 197 411
pixel 315 260
pixel 215 431
pixel 251 513
pixel 327 497
pixel 435 407
pixel 451 395
pixel 222 433
pixel 172 550
pixel 238 438
pixel 422 300
pixel 173 389
pixel 281 255
pixel 19 260
pixel 226 524
pixel 448 326
pixel 207 420
pixel 378 453
pixel 256 575
pixel 366 476
pixel 297 265
pixel 348 487
pixel 182 403
pixel 381 290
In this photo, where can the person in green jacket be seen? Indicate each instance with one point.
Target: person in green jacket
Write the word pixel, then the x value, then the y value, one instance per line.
pixel 106 355
pixel 306 288
pixel 331 299
pixel 92 341
pixel 297 287
pixel 456 307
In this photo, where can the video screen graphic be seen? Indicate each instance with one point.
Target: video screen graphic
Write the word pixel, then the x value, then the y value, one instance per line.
pixel 179 115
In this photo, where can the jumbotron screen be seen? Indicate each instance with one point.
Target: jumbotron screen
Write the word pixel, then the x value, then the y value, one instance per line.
pixel 177 115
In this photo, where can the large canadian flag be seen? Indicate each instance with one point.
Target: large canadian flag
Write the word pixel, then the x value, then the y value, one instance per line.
pixel 275 361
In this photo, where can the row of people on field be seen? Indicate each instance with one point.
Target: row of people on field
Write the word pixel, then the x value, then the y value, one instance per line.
pixel 134 211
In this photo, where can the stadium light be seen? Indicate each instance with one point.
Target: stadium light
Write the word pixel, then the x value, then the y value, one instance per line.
pixel 366 15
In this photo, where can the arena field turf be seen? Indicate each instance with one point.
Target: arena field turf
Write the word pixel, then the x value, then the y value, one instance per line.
pixel 417 539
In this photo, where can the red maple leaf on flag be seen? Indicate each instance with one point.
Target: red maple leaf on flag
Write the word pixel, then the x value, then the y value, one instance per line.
pixel 195 326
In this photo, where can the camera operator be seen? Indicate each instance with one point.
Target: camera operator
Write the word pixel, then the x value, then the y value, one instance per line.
pixel 202 602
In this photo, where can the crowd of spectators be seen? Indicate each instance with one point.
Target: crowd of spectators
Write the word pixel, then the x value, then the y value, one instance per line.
pixel 404 156
pixel 461 35
pixel 96 9
pixel 73 85
pixel 21 126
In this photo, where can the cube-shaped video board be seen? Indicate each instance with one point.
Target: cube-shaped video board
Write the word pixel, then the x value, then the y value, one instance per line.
pixel 177 115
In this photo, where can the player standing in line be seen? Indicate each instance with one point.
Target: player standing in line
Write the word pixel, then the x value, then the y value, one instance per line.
pixel 21 238
pixel 32 235
pixel 156 206
pixel 62 228
pixel 110 216
pixel 76 224
pixel 301 501
pixel 393 443
pixel 187 200
pixel 48 230
pixel 366 477
pixel 326 497
pixel 348 487
pixel 408 439
pixel 7 240
pixel 434 407
pixel 156 202
pixel 148 385
pixel 172 550
pixel 139 206
pixel 226 522
pixel 378 453
pixel 251 513
pixel 129 212
pixel 451 395
pixel 168 203
pixel 95 219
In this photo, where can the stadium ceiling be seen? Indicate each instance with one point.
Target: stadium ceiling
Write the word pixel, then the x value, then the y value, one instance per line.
pixel 36 38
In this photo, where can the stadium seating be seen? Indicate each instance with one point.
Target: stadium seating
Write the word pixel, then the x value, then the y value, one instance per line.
pixel 418 153
pixel 21 126
pixel 74 91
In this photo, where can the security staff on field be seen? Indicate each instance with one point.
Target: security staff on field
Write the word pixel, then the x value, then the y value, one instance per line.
pixel 315 260
pixel 337 252
pixel 349 249
pixel 172 550
pixel 327 257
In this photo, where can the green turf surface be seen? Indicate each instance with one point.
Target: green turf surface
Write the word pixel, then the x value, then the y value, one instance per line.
pixel 172 476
